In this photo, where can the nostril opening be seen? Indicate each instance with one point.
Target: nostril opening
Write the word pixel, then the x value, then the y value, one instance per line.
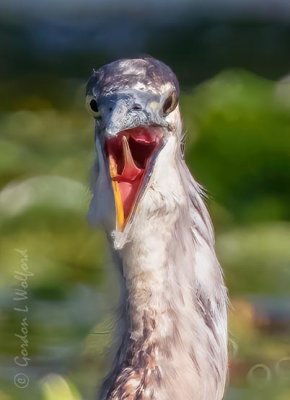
pixel 110 109
pixel 137 107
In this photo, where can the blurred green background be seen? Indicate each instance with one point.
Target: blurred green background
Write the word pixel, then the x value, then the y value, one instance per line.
pixel 232 59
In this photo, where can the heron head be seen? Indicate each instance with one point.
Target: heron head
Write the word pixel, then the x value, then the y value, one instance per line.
pixel 135 106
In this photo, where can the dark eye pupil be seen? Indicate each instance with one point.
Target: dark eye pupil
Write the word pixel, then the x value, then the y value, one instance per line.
pixel 94 105
pixel 168 104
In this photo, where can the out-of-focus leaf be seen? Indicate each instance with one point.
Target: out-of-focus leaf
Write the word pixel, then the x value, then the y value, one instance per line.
pixel 53 191
pixel 56 387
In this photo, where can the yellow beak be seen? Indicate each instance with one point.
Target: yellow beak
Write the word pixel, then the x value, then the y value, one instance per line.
pixel 120 219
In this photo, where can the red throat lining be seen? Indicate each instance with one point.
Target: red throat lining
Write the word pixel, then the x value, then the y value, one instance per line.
pixel 130 152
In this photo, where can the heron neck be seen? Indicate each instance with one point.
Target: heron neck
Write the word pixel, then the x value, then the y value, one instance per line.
pixel 149 262
pixel 173 330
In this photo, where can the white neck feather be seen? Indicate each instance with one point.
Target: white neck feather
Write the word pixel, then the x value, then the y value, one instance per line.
pixel 174 339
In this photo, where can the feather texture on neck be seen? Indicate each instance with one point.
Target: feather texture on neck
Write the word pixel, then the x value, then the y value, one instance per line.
pixel 173 331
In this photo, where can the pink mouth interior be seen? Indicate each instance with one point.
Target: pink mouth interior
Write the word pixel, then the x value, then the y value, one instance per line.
pixel 132 161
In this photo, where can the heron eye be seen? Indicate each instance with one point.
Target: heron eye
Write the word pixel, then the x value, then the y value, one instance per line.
pixel 170 103
pixel 92 107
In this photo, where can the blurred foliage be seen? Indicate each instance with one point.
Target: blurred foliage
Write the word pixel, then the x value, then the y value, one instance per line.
pixel 238 145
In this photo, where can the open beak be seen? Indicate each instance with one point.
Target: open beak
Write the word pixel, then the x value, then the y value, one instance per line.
pixel 131 155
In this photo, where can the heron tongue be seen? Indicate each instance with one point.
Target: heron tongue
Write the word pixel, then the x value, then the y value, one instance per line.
pixel 128 182
pixel 130 171
pixel 129 153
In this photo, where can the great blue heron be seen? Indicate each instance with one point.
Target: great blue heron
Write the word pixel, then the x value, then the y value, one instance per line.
pixel 172 333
